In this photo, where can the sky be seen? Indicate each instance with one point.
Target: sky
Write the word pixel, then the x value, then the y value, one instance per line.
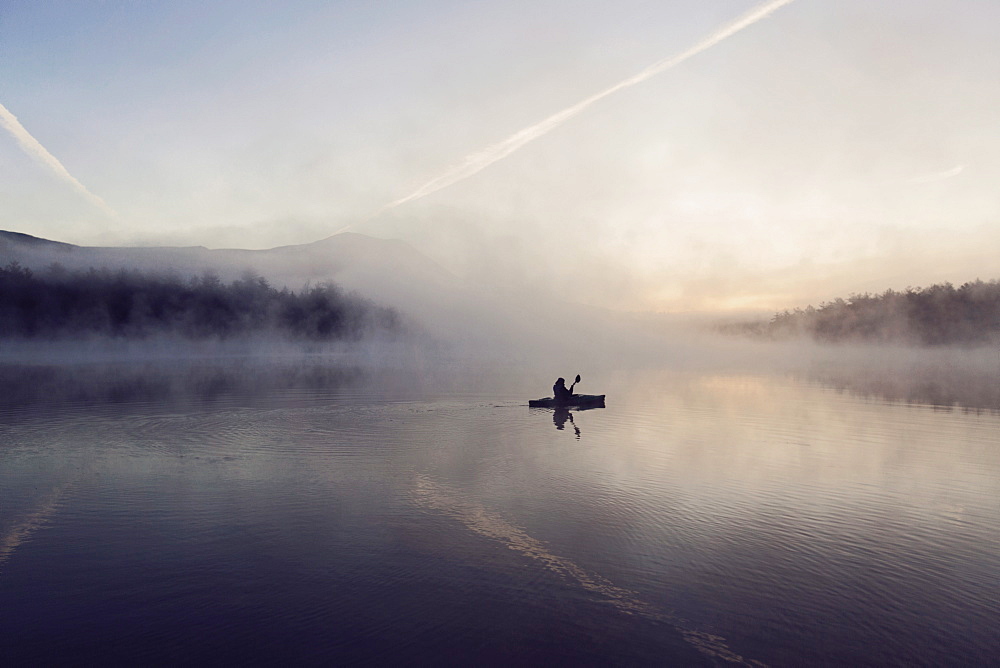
pixel 829 148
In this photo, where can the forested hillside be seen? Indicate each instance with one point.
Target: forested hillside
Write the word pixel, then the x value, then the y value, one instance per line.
pixel 61 304
pixel 936 315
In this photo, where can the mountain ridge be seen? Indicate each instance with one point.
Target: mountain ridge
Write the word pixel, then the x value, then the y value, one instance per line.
pixel 338 258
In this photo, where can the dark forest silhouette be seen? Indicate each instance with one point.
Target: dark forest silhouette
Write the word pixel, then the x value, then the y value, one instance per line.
pixel 936 315
pixel 61 304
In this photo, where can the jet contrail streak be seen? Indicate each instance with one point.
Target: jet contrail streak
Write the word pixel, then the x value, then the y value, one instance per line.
pixel 38 152
pixel 480 160
pixel 940 176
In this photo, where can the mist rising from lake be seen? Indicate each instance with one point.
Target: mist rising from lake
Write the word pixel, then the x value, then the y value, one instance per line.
pixel 317 509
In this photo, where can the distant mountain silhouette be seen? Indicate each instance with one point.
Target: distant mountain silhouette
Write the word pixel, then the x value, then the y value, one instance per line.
pixel 350 259
pixel 18 238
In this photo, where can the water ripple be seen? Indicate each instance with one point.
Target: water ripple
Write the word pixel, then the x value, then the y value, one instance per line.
pixel 433 496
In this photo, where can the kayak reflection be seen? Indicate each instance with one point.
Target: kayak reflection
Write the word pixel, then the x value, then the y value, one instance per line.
pixel 559 417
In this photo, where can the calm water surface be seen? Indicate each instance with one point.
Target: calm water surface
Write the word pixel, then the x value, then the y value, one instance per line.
pixel 311 513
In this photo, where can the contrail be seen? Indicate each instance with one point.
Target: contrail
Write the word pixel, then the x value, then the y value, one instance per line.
pixel 480 160
pixel 38 152
pixel 939 176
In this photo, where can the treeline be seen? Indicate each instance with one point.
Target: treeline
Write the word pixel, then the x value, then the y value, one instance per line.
pixel 60 304
pixel 936 315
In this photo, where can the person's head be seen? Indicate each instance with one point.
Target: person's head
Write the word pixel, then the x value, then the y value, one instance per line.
pixel 561 381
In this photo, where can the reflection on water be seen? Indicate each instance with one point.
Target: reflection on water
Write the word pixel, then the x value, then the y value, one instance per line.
pixel 562 415
pixel 477 519
pixel 165 383
pixel 307 512
pixel 947 379
pixel 21 530
pixel 559 418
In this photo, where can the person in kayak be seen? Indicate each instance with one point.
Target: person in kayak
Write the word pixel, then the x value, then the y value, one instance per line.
pixel 560 392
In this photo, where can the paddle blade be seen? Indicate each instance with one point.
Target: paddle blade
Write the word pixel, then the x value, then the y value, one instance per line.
pixel 577 378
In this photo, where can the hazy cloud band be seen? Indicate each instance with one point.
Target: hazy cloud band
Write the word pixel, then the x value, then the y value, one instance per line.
pixel 480 160
pixel 33 148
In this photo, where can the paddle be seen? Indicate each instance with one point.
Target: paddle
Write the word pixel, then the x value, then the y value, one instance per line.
pixel 574 383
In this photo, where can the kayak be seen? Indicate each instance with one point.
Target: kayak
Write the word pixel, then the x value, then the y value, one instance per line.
pixel 576 401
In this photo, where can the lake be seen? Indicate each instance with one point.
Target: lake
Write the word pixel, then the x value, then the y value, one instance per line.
pixel 314 511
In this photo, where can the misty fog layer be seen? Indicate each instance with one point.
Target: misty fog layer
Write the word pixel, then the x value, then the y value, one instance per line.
pixel 431 317
pixel 936 315
pixel 61 304
pixel 471 319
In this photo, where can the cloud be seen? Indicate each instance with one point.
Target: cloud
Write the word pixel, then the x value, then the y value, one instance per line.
pixel 33 148
pixel 476 162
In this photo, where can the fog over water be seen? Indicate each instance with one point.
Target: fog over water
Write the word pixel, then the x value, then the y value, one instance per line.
pixel 278 281
pixel 723 509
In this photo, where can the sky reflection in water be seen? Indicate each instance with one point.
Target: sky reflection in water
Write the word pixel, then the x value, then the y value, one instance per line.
pixel 315 512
